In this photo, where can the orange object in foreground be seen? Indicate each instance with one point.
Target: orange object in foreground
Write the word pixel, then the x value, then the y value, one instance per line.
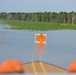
pixel 7 67
pixel 72 67
pixel 18 66
pixel 41 38
pixel 11 66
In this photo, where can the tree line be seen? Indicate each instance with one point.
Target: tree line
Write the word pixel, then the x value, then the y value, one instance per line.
pixel 60 17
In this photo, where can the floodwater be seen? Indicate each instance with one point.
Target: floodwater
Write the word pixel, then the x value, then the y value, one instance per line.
pixel 59 50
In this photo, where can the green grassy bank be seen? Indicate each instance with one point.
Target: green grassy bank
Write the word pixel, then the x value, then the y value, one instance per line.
pixel 16 24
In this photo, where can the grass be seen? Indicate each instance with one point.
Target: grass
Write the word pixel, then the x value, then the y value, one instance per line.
pixel 19 25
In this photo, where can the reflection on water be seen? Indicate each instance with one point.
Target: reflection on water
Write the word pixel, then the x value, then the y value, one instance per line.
pixel 60 49
pixel 40 50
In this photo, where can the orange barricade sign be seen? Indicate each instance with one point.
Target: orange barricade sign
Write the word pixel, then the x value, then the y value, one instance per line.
pixel 40 38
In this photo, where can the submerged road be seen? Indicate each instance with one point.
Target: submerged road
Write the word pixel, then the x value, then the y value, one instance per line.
pixel 42 67
pixel 38 68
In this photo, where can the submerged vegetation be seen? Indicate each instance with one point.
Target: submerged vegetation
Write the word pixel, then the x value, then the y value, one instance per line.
pixel 17 24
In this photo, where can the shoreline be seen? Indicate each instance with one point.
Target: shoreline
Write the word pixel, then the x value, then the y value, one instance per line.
pixel 38 26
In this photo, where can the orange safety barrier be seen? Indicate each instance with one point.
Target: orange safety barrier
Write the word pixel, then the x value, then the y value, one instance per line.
pixel 7 66
pixel 72 67
pixel 18 66
pixel 11 66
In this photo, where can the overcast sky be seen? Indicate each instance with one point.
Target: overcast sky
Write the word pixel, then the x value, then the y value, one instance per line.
pixel 37 5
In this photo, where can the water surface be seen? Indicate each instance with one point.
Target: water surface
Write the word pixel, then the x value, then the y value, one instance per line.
pixel 60 49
